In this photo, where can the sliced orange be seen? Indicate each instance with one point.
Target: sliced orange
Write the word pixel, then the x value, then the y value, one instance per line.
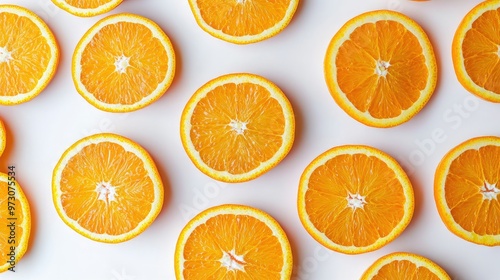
pixel 87 8
pixel 402 265
pixel 243 21
pixel 476 51
pixel 28 55
pixel 237 127
pixel 380 68
pixel 107 188
pixel 233 242
pixel 3 137
pixel 123 63
pixel 355 199
pixel 466 187
pixel 16 221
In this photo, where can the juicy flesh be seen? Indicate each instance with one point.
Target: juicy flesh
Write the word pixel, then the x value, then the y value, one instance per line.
pixel 342 176
pixel 106 189
pixel 481 51
pixel 5 215
pixel 24 54
pixel 232 246
pixel 242 17
pixel 87 4
pixel 236 127
pixel 381 69
pixel 471 189
pixel 404 269
pixel 123 63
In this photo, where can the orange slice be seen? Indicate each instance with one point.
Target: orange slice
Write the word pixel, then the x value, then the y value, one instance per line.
pixel 28 55
pixel 87 8
pixel 355 199
pixel 237 127
pixel 476 51
pixel 123 63
pixel 107 188
pixel 466 187
pixel 243 21
pixel 403 265
pixel 16 221
pixel 380 68
pixel 3 137
pixel 233 242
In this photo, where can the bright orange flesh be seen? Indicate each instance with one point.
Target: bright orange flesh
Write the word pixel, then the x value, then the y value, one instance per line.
pixel 237 126
pixel 384 41
pixel 87 4
pixel 401 265
pixel 19 215
pixel 246 18
pixel 380 68
pixel 107 188
pixel 148 63
pixel 476 51
pixel 243 21
pixel 405 270
pixel 466 186
pixel 28 55
pixel 354 199
pixel 106 162
pixel 355 174
pixel 219 145
pixel 123 63
pixel 251 244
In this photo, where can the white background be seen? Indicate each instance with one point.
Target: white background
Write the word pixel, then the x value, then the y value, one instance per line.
pixel 41 129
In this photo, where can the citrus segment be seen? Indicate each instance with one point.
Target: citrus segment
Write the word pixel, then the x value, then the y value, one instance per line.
pixel 476 51
pixel 87 8
pixel 233 242
pixel 237 126
pixel 107 188
pixel 403 265
pixel 123 63
pixel 355 199
pixel 16 221
pixel 380 68
pixel 243 21
pixel 28 55
pixel 466 186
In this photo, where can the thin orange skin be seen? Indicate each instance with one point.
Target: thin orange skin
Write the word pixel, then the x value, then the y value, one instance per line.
pixel 125 108
pixel 439 195
pixel 53 42
pixel 86 13
pixel 3 138
pixel 185 138
pixel 63 216
pixel 340 248
pixel 352 112
pixel 26 230
pixel 179 250
pixel 379 263
pixel 456 51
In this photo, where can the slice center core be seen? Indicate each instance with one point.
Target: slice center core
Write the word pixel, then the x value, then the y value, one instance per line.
pixel 122 63
pixel 106 192
pixel 355 201
pixel 381 68
pixel 489 191
pixel 238 126
pixel 5 55
pixel 231 261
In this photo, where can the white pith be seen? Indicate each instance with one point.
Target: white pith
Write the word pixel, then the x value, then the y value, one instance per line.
pixel 489 191
pixel 238 126
pixel 122 63
pixel 5 55
pixel 231 261
pixel 381 68
pixel 355 201
pixel 106 192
